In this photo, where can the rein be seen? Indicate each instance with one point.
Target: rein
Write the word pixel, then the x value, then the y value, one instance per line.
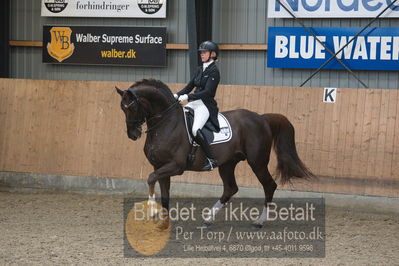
pixel 138 123
pixel 162 116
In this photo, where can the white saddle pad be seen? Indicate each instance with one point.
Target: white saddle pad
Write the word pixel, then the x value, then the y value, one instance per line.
pixel 224 135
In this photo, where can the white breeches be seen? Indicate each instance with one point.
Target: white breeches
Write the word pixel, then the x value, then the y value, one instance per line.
pixel 201 114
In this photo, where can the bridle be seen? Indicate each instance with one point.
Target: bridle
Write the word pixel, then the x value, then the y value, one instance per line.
pixel 138 123
pixel 135 123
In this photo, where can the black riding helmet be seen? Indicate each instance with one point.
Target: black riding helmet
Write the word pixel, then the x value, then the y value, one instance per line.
pixel 211 47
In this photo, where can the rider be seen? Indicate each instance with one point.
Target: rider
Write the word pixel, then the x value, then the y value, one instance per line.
pixel 202 101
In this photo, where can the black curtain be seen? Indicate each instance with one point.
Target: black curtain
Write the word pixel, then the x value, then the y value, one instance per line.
pixel 204 20
pixel 199 21
pixel 4 38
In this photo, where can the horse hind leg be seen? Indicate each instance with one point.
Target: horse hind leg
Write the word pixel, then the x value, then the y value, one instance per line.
pixel 230 188
pixel 259 167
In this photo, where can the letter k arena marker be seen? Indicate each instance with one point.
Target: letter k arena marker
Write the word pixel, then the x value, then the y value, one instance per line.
pixel 330 95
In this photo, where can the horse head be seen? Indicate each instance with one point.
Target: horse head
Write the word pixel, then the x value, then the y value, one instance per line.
pixel 143 101
pixel 134 113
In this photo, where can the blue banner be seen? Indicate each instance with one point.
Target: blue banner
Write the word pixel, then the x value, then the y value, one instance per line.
pixel 293 47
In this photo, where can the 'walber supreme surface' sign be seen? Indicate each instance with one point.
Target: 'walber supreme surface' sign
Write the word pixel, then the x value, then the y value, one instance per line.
pixel 133 46
pixel 332 8
pixel 293 47
pixel 102 8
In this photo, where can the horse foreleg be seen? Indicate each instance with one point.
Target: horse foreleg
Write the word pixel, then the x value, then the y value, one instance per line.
pixel 165 187
pixel 151 200
pixel 167 170
pixel 162 175
pixel 151 190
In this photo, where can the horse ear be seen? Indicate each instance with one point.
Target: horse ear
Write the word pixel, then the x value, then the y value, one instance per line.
pixel 120 92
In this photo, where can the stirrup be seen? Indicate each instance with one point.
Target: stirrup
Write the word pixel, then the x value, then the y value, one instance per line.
pixel 212 163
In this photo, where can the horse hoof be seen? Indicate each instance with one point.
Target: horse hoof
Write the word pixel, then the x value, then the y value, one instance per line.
pixel 162 226
pixel 161 229
pixel 153 215
pixel 257 226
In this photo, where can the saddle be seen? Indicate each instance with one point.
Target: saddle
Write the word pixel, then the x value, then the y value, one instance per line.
pixel 209 130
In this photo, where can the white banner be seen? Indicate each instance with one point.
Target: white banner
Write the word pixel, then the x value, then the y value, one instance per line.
pixel 332 8
pixel 104 8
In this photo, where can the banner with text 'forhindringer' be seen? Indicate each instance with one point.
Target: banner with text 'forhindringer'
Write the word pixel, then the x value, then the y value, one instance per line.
pixel 332 8
pixel 104 8
pixel 294 47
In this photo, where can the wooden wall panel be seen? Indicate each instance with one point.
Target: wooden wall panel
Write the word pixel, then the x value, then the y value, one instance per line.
pixel 76 128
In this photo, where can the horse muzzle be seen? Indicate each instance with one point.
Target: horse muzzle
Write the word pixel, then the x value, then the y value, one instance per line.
pixel 134 134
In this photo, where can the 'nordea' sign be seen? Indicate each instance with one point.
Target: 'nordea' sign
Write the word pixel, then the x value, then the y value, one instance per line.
pixel 332 8
pixel 293 47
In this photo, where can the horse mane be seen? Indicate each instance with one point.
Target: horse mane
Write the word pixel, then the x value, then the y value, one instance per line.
pixel 158 85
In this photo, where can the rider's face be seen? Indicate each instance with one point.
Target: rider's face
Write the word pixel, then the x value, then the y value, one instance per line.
pixel 205 55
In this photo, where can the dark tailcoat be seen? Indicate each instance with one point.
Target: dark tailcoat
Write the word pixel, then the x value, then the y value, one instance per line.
pixel 205 83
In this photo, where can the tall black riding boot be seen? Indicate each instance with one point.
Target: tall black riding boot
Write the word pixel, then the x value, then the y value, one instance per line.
pixel 201 140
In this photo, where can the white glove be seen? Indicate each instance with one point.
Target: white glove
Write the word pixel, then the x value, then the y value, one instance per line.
pixel 176 96
pixel 183 98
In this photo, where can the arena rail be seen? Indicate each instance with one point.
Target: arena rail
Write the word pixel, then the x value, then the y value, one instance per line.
pixel 62 127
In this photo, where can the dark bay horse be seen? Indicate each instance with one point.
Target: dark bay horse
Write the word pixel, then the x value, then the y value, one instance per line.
pixel 167 145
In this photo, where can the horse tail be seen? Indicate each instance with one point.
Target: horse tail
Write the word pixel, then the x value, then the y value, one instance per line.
pixel 289 165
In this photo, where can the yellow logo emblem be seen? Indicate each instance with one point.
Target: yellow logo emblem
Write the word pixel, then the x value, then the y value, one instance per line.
pixel 60 47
